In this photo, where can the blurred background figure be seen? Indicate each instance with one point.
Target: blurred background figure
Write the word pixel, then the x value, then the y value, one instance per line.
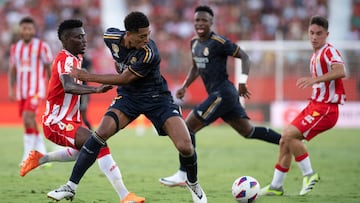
pixel 30 60
pixel 84 99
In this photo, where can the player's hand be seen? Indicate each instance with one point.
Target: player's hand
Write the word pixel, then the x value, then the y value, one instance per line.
pixel 243 91
pixel 79 73
pixel 305 82
pixel 180 93
pixel 104 88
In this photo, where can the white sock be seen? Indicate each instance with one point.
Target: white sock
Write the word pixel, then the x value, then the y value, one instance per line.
pixel 305 166
pixel 29 142
pixel 278 179
pixel 39 144
pixel 108 166
pixel 62 155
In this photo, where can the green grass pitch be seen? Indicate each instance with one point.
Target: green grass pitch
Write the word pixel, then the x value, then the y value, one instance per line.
pixel 222 157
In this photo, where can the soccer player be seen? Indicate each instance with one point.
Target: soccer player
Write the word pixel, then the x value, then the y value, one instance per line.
pixel 321 113
pixel 141 90
pixel 62 121
pixel 209 55
pixel 30 60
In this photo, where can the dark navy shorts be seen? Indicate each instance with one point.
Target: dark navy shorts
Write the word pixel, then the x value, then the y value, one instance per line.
pixel 223 103
pixel 157 109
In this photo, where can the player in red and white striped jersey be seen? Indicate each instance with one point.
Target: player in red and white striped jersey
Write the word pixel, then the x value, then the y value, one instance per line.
pixel 62 122
pixel 321 114
pixel 30 60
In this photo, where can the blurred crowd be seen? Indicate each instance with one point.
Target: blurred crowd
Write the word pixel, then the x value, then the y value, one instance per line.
pixel 171 21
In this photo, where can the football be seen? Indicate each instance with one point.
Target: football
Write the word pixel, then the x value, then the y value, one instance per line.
pixel 245 189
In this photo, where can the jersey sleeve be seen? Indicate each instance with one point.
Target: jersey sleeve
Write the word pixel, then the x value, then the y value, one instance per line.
pixel 112 36
pixel 65 64
pixel 333 56
pixel 143 65
pixel 230 48
pixel 46 54
pixel 112 39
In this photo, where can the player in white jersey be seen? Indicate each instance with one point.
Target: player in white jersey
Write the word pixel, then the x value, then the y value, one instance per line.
pixel 321 114
pixel 30 60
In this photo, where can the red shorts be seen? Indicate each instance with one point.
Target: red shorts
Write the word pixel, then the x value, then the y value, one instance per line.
pixel 62 133
pixel 316 118
pixel 31 103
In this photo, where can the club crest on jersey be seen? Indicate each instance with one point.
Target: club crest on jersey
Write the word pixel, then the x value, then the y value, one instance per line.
pixel 69 127
pixel 133 60
pixel 115 49
pixel 206 51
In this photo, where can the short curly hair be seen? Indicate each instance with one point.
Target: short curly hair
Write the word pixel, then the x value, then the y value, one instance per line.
pixel 135 20
pixel 68 25
pixel 205 9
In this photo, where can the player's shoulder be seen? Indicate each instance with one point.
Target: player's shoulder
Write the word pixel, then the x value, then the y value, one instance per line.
pixel 218 38
pixel 113 34
pixel 329 48
pixel 63 55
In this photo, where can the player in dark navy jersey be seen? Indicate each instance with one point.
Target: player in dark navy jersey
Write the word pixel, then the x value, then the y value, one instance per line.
pixel 209 54
pixel 141 90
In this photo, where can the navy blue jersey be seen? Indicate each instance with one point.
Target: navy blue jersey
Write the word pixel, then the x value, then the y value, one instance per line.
pixel 210 57
pixel 145 63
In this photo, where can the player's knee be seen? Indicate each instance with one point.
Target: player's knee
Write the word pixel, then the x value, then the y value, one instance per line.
pixel 185 148
pixel 106 129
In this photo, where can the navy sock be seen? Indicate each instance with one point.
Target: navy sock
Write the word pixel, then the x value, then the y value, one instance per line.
pixel 190 164
pixel 87 157
pixel 265 134
pixel 192 136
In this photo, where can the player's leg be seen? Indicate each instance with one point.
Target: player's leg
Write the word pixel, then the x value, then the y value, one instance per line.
pixel 62 134
pixel 177 130
pixel 28 118
pixel 178 179
pixel 320 118
pixel 109 167
pixel 202 115
pixel 30 109
pixel 290 136
pixel 238 120
pixel 111 122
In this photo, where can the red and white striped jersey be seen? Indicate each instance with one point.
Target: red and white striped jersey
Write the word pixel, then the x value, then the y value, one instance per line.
pixel 29 60
pixel 61 105
pixel 320 64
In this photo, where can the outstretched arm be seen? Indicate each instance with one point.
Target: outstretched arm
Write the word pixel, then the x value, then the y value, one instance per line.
pixel 124 78
pixel 73 88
